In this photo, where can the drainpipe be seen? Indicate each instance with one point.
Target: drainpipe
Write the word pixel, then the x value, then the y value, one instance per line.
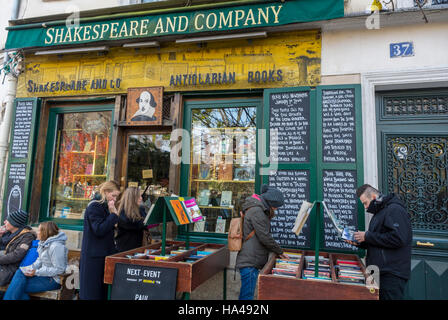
pixel 5 125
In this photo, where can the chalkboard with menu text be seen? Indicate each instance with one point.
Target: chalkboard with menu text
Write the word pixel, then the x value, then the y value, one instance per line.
pixel 21 155
pixel 338 126
pixel 290 118
pixel 295 185
pixel 339 194
pixel 319 159
pixel 22 129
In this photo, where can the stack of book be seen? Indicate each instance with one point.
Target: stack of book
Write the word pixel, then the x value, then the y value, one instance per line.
pixel 324 272
pixel 349 271
pixel 287 267
pixel 199 255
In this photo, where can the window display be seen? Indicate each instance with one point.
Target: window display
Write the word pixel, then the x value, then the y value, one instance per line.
pixel 80 161
pixel 222 167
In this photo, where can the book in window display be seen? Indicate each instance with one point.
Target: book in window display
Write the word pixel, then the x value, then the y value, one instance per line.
pixel 225 172
pixel 244 173
pixel 226 198
pixel 220 225
pixel 204 197
pixel 204 171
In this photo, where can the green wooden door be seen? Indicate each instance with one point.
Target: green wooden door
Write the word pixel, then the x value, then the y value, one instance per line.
pixel 412 132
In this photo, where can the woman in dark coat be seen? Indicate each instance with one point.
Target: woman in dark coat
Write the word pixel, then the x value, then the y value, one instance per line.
pixel 130 222
pixel 98 241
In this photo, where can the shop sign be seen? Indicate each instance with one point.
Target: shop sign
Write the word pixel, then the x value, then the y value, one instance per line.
pixel 272 13
pixel 285 59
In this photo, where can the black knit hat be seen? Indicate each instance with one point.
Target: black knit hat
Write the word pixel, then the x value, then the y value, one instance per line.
pixel 18 218
pixel 273 197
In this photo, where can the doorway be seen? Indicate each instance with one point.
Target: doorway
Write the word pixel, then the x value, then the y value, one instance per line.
pixel 147 164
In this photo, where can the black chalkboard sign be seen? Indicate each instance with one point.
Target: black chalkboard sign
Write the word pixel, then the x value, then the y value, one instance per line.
pixel 290 116
pixel 339 194
pixel 15 187
pixel 338 126
pixel 295 185
pixel 134 282
pixel 21 155
pixel 22 129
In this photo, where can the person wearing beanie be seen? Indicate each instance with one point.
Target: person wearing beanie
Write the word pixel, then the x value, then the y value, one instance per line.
pixel 257 239
pixel 15 240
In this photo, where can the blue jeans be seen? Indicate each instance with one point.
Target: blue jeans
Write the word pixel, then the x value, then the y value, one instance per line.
pixel 249 276
pixel 21 285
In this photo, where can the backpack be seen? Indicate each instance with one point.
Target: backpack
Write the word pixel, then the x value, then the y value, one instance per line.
pixel 235 235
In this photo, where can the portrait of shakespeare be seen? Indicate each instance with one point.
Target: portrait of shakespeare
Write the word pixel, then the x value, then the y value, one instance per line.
pixel 146 108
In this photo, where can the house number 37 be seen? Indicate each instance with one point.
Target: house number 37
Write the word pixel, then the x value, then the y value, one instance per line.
pixel 402 49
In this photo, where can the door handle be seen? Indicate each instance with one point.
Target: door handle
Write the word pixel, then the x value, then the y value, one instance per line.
pixel 425 244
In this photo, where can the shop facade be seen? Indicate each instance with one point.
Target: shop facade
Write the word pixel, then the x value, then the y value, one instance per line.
pixel 216 101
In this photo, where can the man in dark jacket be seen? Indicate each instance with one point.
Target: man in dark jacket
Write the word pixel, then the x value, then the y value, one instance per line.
pixel 388 240
pixel 258 242
pixel 16 239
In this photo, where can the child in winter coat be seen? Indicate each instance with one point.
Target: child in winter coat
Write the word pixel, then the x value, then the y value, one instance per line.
pixel 43 275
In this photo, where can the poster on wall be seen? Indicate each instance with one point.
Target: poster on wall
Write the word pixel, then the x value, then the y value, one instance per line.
pixel 144 106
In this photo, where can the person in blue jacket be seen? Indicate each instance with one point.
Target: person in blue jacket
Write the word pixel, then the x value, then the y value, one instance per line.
pixel 388 240
pixel 100 219
pixel 43 274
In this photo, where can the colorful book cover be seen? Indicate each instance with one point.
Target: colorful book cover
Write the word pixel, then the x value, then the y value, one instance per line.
pixel 193 210
pixel 181 215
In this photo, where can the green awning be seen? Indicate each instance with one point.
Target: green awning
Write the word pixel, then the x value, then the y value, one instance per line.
pixel 237 18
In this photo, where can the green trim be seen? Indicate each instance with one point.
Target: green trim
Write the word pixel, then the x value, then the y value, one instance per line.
pixel 316 166
pixel 189 106
pixel 74 224
pixel 177 22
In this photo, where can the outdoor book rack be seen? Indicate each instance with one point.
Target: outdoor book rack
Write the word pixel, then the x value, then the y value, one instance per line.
pixel 190 274
pixel 277 287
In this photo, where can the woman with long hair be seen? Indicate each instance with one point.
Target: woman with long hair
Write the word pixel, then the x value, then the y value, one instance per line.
pixel 43 274
pixel 98 241
pixel 130 222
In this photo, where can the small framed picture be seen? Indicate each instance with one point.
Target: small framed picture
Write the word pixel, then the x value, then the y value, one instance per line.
pixel 144 106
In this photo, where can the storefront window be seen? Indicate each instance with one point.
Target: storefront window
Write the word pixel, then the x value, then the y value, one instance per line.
pixel 80 161
pixel 149 164
pixel 222 167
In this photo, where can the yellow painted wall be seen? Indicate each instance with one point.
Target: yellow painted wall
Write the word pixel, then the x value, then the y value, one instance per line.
pixel 296 54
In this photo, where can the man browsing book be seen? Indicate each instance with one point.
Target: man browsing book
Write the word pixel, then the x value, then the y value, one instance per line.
pixel 388 240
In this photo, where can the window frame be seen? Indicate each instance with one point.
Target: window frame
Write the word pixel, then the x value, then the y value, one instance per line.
pixel 48 170
pixel 189 106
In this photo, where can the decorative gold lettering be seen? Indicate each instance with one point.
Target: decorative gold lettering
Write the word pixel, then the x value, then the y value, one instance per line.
pixel 159 27
pixel 58 35
pixel 144 27
pixel 225 22
pixel 68 35
pixel 87 33
pixel 215 21
pixel 238 16
pixel 76 35
pixel 171 24
pixel 184 18
pixel 250 16
pixel 264 14
pixel 124 29
pixel 134 25
pixel 276 12
pixel 49 35
pixel 196 26
pixel 114 29
pixel 104 28
pixel 97 34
